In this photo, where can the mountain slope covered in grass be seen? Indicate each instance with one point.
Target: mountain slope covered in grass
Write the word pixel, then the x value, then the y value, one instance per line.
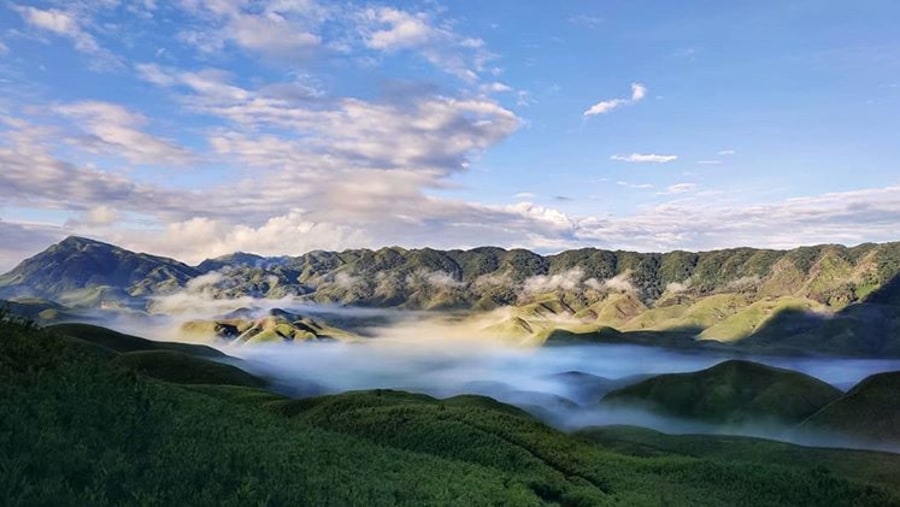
pixel 77 427
pixel 733 391
pixel 871 409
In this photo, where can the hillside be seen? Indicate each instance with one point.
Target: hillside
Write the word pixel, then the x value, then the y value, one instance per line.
pixel 827 298
pixel 80 271
pixel 88 431
pixel 275 326
pixel 870 410
pixel 733 391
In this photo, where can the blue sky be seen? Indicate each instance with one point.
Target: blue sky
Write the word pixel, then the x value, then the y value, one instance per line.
pixel 193 128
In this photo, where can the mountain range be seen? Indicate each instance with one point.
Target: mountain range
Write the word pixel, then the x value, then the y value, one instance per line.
pixel 830 297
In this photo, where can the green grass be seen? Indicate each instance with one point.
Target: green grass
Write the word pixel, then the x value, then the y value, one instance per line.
pixel 181 368
pixel 119 342
pixel 733 391
pixel 870 410
pixel 77 428
pixel 877 467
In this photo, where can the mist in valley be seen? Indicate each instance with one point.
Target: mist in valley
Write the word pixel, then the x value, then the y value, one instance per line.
pixel 445 355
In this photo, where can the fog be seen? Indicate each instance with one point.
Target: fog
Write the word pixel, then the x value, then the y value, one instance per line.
pixel 446 355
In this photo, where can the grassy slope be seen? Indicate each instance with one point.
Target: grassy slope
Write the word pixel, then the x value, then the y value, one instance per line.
pixel 871 409
pixel 731 392
pixel 76 429
pixel 862 465
pixel 119 342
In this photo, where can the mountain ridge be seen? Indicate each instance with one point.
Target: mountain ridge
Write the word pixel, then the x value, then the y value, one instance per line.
pixel 851 294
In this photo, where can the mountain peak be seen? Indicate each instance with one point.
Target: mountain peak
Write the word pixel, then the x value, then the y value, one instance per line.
pixel 81 242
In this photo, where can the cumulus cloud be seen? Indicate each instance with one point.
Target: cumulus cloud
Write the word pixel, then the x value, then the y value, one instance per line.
pixel 638 92
pixel 645 158
pixel 201 237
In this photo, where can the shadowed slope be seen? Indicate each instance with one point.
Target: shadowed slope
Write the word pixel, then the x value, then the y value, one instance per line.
pixel 734 391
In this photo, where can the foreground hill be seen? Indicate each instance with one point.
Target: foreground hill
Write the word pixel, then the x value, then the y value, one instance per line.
pixel 83 430
pixel 827 298
pixel 733 391
pixel 871 410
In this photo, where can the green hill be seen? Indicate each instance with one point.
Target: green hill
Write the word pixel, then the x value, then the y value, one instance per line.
pixel 120 342
pixel 77 428
pixel 862 465
pixel 870 410
pixel 733 391
pixel 182 368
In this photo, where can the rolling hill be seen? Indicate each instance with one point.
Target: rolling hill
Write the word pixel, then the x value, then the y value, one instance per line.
pixel 870 410
pixel 89 430
pixel 731 392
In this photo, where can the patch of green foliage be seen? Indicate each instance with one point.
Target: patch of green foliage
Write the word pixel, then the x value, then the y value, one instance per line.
pixel 120 342
pixel 76 428
pixel 877 467
pixel 733 391
pixel 871 409
pixel 181 368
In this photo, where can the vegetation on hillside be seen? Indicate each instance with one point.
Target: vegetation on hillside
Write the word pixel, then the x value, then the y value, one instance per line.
pixel 79 427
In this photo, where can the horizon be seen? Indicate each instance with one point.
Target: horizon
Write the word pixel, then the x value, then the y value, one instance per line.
pixel 197 129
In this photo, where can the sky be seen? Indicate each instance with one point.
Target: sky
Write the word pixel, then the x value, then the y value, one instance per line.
pixel 196 128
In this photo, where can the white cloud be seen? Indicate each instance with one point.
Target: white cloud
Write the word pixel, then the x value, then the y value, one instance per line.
pixel 727 152
pixel 567 280
pixel 279 28
pixel 525 195
pixel 634 185
pixel 114 129
pixel 401 30
pixel 495 87
pixel 199 238
pixel 620 283
pixel 73 26
pixel 709 162
pixel 679 188
pixel 440 279
pixel 642 158
pixel 3 49
pixel 98 216
pixel 638 92
pixel 389 30
pixel 61 23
